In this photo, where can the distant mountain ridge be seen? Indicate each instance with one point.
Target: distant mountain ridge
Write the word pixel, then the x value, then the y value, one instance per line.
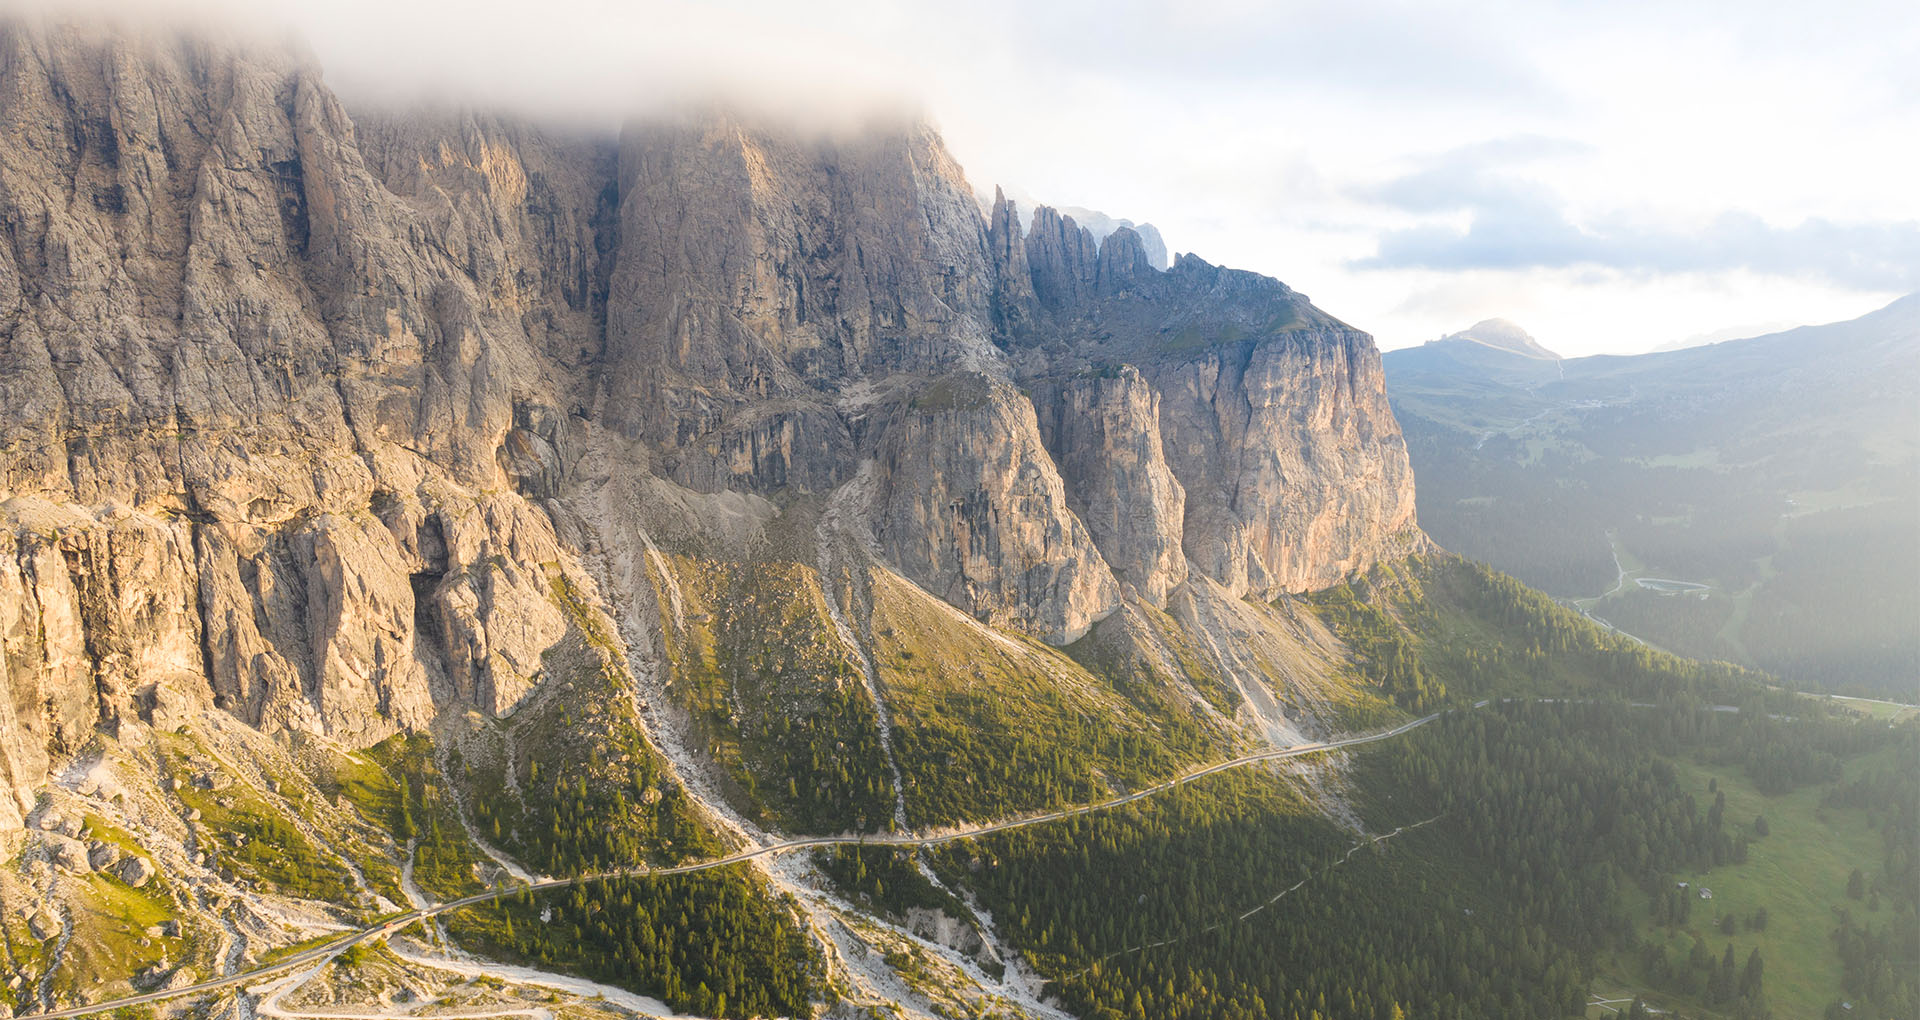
pixel 1501 335
pixel 1782 470
pixel 1495 350
pixel 1723 335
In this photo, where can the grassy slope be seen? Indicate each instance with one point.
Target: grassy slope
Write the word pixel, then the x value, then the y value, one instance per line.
pixel 777 697
pixel 989 724
pixel 1798 873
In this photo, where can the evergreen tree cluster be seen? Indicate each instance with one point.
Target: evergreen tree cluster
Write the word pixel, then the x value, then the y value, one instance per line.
pixel 779 697
pixel 1547 814
pixel 715 943
pixel 1879 945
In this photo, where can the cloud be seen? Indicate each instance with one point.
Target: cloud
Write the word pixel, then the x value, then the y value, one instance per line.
pixel 1255 132
pixel 1465 178
pixel 1516 224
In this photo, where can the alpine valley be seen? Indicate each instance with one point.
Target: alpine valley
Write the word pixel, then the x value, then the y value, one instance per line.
pixel 454 566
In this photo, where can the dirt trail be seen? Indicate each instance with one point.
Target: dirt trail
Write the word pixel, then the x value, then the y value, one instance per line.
pixel 752 854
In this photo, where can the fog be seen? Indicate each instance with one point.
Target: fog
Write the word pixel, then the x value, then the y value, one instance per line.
pixel 1612 178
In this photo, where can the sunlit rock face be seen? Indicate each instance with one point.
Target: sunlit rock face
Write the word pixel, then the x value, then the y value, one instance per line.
pixel 297 407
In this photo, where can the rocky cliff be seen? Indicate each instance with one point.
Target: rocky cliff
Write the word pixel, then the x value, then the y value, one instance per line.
pixel 324 419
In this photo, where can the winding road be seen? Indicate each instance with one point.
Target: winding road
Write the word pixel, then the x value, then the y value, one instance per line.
pixel 334 947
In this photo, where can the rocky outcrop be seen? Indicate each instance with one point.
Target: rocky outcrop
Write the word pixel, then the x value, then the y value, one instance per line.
pixel 1286 495
pixel 313 418
pixel 1064 260
pixel 1101 225
pixel 243 376
pixel 1272 415
pixel 1103 429
pixel 1013 296
pixel 973 509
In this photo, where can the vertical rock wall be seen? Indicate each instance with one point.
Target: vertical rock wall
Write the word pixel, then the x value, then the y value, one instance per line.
pixel 292 401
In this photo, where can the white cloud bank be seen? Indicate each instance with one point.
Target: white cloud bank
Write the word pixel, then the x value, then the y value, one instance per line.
pixel 1612 176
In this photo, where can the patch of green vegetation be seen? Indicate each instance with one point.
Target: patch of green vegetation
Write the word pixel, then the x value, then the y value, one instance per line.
pixel 444 859
pixel 27 955
pixel 1195 338
pixel 1201 337
pixel 911 963
pixel 1079 895
pixel 960 391
pixel 1362 711
pixel 1696 623
pixel 1781 900
pixel 988 724
pixel 249 834
pixel 1383 652
pixel 777 695
pixel 95 827
pixel 592 625
pixel 1890 712
pixel 596 794
pixel 885 879
pixel 1490 635
pixel 111 939
pixel 278 953
pixel 361 782
pixel 1285 319
pixel 499 813
pixel 717 943
pixel 367 787
pixel 1138 678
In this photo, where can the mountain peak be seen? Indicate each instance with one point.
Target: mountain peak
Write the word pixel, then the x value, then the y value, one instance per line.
pixel 1502 335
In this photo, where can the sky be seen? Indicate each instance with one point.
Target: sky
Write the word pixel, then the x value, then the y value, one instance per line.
pixel 1611 176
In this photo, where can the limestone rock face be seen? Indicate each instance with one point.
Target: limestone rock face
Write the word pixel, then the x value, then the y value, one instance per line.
pixel 1064 260
pixel 242 374
pixel 1272 415
pixel 1286 495
pixel 311 417
pixel 1103 429
pixel 1013 296
pixel 975 511
pixel 759 273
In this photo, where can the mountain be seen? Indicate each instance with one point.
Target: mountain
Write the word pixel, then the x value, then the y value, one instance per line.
pixel 1101 225
pixel 1720 335
pixel 457 566
pixel 326 433
pixel 1493 350
pixel 307 413
pixel 1500 335
pixel 1776 473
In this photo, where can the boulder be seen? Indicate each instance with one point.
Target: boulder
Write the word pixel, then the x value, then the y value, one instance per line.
pixel 102 855
pixel 135 871
pixel 67 854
